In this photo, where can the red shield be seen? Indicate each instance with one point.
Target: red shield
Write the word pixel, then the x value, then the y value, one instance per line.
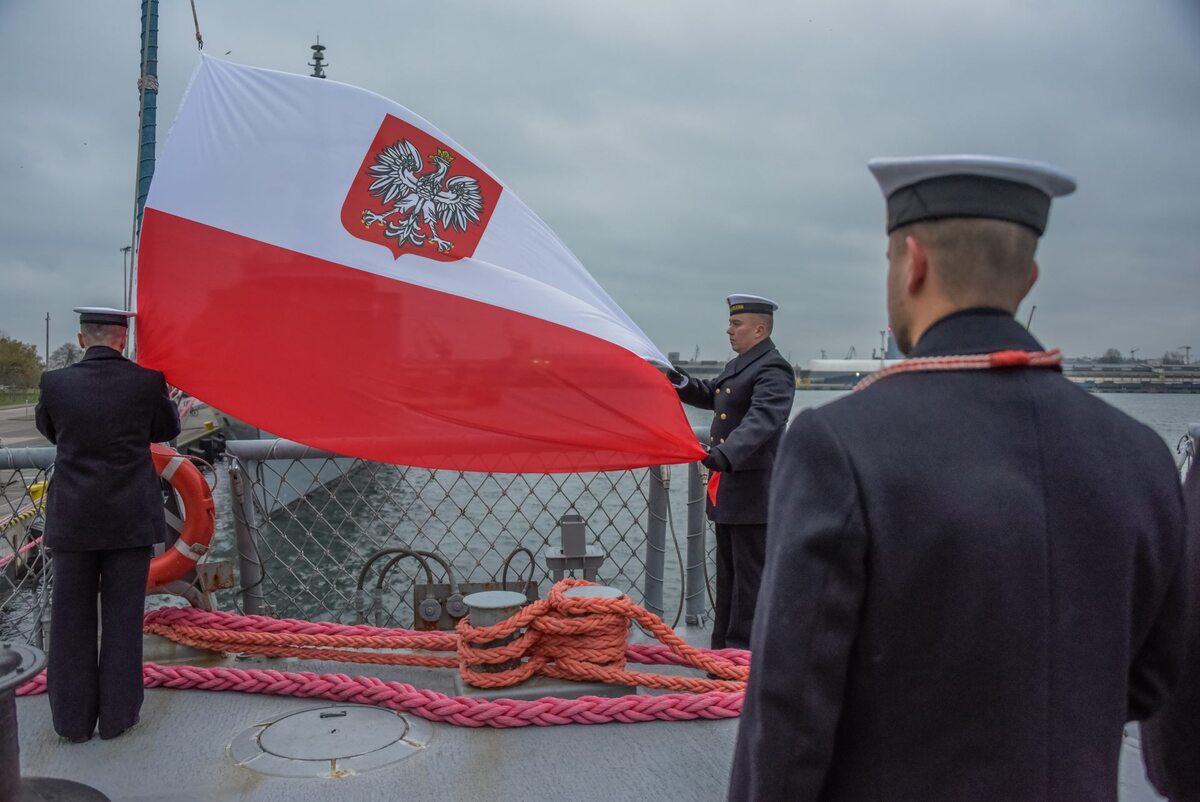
pixel 413 194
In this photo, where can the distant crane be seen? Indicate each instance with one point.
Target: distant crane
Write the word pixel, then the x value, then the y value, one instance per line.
pixel 852 353
pixel 1187 354
pixel 1133 354
pixel 696 354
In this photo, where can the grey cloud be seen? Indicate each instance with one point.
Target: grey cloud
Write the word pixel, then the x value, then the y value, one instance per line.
pixel 674 144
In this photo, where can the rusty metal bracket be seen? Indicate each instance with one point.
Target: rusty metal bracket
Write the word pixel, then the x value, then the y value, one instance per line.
pixel 215 575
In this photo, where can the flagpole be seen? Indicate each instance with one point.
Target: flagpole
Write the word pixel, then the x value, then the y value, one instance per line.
pixel 147 125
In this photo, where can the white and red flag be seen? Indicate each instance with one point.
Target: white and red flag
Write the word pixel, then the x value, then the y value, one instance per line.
pixel 323 263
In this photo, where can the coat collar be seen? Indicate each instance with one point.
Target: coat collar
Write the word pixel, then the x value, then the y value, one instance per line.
pixel 980 330
pixel 101 352
pixel 743 361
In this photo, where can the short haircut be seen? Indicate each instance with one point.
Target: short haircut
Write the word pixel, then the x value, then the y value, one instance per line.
pixel 101 333
pixel 765 319
pixel 979 261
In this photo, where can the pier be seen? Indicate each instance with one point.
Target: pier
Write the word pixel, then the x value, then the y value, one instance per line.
pixel 19 504
pixel 18 428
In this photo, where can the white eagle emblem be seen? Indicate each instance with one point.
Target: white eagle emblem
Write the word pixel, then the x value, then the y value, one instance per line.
pixel 420 201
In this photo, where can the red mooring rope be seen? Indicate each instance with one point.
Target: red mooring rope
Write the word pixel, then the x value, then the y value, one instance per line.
pixel 563 637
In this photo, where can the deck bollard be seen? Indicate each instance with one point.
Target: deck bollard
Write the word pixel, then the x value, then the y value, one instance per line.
pixel 491 607
pixel 19 663
pixel 593 592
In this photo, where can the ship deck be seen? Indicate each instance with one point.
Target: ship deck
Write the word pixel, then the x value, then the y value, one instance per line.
pixel 181 751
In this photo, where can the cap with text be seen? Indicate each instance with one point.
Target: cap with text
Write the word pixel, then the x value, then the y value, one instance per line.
pixel 923 188
pixel 740 304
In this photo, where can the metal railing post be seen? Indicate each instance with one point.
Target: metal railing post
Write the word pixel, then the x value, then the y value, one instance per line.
pixel 695 586
pixel 656 538
pixel 246 533
pixel 1193 448
pixel 695 579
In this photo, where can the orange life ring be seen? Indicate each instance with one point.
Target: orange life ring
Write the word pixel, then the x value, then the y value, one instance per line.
pixel 199 518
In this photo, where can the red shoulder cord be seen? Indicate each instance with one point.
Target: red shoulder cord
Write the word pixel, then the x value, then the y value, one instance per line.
pixel 922 364
pixel 998 359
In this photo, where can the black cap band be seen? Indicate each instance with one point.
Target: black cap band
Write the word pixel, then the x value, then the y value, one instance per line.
pixel 968 196
pixel 762 309
pixel 103 319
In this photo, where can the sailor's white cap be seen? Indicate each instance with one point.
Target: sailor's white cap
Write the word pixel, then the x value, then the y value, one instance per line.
pixel 104 315
pixel 931 187
pixel 751 303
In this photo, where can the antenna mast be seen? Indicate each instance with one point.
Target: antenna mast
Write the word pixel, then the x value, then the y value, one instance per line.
pixel 318 62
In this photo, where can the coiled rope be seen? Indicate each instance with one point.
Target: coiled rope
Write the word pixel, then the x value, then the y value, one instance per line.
pixel 567 638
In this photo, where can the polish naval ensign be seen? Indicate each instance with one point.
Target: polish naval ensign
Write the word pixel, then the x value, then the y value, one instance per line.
pixel 415 195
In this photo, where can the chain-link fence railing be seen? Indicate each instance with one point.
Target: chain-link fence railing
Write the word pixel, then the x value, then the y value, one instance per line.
pixel 24 564
pixel 303 525
pixel 308 525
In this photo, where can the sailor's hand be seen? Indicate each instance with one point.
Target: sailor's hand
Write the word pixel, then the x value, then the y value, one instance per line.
pixel 716 461
pixel 678 377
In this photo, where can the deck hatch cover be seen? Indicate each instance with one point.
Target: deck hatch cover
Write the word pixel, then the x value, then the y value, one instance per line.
pixel 329 741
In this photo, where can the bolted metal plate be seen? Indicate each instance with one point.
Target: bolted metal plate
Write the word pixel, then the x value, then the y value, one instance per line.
pixel 18 662
pixel 329 741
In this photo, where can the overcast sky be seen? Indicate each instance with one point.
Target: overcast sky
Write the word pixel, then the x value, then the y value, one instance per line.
pixel 684 150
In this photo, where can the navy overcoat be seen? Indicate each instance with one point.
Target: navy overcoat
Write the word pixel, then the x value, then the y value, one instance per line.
pixel 751 400
pixel 103 413
pixel 1171 740
pixel 973 580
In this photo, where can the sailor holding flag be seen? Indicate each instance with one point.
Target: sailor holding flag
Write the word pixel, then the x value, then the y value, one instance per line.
pixel 751 400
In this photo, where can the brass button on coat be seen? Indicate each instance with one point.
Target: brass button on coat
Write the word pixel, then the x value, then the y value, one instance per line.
pixel 723 416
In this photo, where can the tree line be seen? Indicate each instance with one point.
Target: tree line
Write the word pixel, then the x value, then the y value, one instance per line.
pixel 21 367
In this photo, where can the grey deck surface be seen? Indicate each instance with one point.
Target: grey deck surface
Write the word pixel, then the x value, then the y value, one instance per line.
pixel 178 753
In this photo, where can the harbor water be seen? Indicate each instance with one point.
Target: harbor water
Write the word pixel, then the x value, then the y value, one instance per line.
pixel 379 506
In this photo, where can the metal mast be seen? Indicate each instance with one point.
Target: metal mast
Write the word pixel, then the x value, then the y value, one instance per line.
pixel 148 107
pixel 147 124
pixel 318 62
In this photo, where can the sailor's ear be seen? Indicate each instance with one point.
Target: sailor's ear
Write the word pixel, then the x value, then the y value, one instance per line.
pixel 918 265
pixel 1034 272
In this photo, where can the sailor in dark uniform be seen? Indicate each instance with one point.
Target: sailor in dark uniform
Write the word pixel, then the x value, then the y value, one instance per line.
pixel 103 517
pixel 1171 740
pixel 751 401
pixel 973 574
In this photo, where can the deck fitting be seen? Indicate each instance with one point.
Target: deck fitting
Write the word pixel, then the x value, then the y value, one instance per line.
pixel 330 741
